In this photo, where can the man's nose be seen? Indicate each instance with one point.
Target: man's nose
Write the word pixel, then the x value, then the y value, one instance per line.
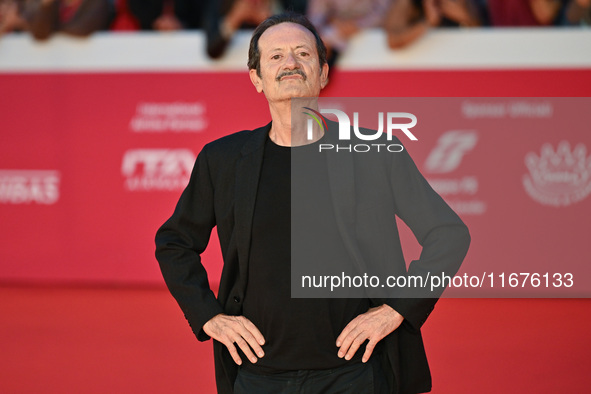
pixel 291 61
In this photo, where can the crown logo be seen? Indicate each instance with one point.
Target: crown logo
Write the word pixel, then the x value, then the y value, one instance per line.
pixel 558 177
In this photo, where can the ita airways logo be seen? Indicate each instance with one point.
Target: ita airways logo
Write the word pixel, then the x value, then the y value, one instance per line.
pixel 451 148
pixel 558 177
pixel 157 169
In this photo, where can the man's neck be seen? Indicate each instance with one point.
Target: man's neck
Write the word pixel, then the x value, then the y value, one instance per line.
pixel 280 132
pixel 287 131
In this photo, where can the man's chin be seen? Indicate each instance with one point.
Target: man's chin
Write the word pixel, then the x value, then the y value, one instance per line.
pixel 302 96
pixel 288 94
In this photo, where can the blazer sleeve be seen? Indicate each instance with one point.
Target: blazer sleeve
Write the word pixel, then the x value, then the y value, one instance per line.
pixel 179 244
pixel 438 229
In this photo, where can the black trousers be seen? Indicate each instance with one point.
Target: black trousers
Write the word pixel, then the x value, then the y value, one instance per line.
pixel 357 378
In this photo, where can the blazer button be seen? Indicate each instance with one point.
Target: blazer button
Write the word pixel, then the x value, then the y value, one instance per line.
pixel 236 299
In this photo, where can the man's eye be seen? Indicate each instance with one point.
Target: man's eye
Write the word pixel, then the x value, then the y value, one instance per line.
pixel 304 54
pixel 276 57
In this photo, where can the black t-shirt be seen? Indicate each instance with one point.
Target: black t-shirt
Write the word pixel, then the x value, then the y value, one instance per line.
pixel 300 333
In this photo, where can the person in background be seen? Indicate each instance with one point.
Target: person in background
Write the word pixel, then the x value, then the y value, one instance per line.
pixel 223 18
pixel 578 12
pixel 339 20
pixel 11 18
pixel 167 15
pixel 525 13
pixel 408 20
pixel 74 17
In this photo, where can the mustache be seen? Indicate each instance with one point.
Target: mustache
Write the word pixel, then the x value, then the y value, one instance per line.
pixel 292 72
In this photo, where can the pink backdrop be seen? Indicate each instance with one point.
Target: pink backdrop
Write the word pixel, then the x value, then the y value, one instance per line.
pixel 92 164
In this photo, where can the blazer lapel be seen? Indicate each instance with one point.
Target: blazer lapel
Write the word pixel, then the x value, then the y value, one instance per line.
pixel 247 179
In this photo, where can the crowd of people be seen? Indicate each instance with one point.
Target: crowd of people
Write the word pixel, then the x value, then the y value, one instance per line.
pixel 404 21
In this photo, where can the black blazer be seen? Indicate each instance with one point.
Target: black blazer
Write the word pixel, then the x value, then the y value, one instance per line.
pixel 222 191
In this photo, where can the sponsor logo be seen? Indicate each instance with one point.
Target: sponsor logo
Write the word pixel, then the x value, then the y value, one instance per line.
pixel 157 169
pixel 451 148
pixel 29 187
pixel 345 130
pixel 460 193
pixel 175 117
pixel 558 177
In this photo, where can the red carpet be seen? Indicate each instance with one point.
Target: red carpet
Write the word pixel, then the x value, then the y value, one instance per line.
pixel 78 340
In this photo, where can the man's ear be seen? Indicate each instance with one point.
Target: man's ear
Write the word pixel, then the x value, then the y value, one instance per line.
pixel 256 80
pixel 324 76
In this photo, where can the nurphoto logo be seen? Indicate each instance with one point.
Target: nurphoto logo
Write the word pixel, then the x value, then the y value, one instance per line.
pixel 362 134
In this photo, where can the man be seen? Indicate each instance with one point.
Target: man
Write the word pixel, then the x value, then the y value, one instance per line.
pixel 266 341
